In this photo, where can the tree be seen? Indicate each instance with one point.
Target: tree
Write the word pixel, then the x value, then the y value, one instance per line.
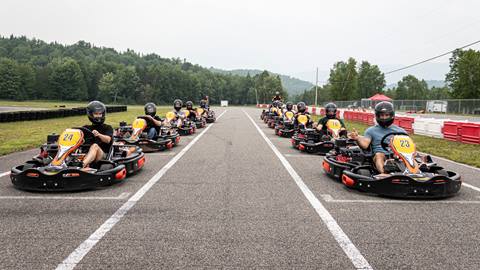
pixel 107 88
pixel 66 80
pixel 9 79
pixel 411 88
pixel 464 75
pixel 370 80
pixel 344 80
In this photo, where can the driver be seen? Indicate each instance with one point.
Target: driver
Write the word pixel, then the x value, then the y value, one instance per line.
pixel 330 113
pixel 289 107
pixel 277 97
pixel 179 115
pixel 193 114
pixel 302 110
pixel 384 115
pixel 155 121
pixel 103 133
pixel 206 103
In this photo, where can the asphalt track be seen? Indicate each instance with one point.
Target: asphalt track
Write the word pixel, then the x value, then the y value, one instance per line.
pixel 226 200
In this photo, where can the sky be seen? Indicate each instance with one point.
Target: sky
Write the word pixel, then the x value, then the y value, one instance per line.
pixel 287 37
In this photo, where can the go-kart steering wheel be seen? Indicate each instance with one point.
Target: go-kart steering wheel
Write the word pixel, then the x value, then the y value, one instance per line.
pixel 88 136
pixel 385 145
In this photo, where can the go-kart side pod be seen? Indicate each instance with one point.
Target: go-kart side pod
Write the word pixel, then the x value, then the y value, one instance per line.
pixel 316 148
pixel 404 186
pixel 68 179
pixel 334 168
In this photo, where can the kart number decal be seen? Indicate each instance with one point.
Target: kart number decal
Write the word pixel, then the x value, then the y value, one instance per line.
pixel 200 111
pixel 302 119
pixel 70 137
pixel 170 116
pixel 289 115
pixel 139 123
pixel 334 126
pixel 403 144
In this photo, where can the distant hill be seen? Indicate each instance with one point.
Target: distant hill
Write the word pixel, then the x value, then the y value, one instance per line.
pixel 292 85
pixel 430 83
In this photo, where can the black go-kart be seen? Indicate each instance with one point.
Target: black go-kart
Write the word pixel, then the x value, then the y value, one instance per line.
pixel 201 118
pixel 314 142
pixel 136 135
pixel 411 175
pixel 285 127
pixel 274 118
pixel 58 167
pixel 187 126
pixel 210 118
pixel 269 114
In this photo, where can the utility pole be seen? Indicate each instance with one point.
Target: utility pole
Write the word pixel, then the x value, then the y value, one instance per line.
pixel 256 94
pixel 316 88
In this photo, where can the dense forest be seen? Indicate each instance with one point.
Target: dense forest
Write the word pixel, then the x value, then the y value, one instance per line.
pixel 33 69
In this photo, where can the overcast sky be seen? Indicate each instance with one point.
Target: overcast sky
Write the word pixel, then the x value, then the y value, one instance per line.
pixel 288 37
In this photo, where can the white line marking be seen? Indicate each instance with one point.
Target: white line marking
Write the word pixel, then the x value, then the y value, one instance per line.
pixel 470 186
pixel 4 174
pixel 162 154
pixel 342 239
pixel 330 199
pixel 122 196
pixel 77 255
pixel 300 155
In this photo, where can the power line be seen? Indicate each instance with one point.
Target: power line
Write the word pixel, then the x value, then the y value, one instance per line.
pixel 416 64
pixel 432 58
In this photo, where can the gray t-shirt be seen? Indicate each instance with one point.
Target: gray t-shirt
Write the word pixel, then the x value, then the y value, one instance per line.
pixel 377 132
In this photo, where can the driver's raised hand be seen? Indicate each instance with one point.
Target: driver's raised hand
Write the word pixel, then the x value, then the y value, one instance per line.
pixel 353 135
pixel 95 133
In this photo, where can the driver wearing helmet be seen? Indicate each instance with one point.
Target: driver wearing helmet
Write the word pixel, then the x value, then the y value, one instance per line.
pixel 96 112
pixel 277 97
pixel 302 110
pixel 330 113
pixel 289 107
pixel 155 120
pixel 205 103
pixel 179 115
pixel 384 115
pixel 192 113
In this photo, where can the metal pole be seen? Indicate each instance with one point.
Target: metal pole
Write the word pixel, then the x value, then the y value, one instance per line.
pixel 256 95
pixel 316 89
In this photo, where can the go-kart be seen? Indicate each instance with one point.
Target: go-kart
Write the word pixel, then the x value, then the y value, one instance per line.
pixel 314 142
pixel 187 127
pixel 285 127
pixel 274 117
pixel 58 167
pixel 411 175
pixel 136 135
pixel 210 116
pixel 201 119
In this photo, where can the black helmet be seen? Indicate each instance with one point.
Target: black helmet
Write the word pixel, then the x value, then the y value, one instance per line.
pixel 177 104
pixel 301 106
pixel 279 104
pixel 331 110
pixel 384 107
pixel 150 109
pixel 96 107
pixel 203 104
pixel 189 105
pixel 289 106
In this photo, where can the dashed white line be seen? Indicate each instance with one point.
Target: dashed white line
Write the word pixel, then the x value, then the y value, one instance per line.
pixel 122 196
pixel 4 174
pixel 77 255
pixel 342 239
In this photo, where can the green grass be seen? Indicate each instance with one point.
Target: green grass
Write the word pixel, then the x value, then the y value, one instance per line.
pixel 42 104
pixel 456 151
pixel 18 136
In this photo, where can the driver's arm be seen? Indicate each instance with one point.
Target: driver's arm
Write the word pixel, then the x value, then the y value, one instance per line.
pixel 362 141
pixel 105 138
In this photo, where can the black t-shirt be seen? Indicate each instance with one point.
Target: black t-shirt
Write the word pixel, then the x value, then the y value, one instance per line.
pixel 103 129
pixel 150 124
pixel 323 121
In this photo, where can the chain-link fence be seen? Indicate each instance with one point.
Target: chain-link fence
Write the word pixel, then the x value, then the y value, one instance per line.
pixel 450 106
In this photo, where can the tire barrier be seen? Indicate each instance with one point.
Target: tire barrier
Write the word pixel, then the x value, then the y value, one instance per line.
pixel 48 114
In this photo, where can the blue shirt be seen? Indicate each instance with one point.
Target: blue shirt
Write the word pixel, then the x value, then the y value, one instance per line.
pixel 377 132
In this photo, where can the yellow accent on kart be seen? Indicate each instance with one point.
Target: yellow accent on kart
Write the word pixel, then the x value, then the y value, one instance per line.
pixel 289 115
pixel 138 126
pixel 302 119
pixel 69 141
pixel 200 111
pixel 186 112
pixel 170 116
pixel 334 126
pixel 404 147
